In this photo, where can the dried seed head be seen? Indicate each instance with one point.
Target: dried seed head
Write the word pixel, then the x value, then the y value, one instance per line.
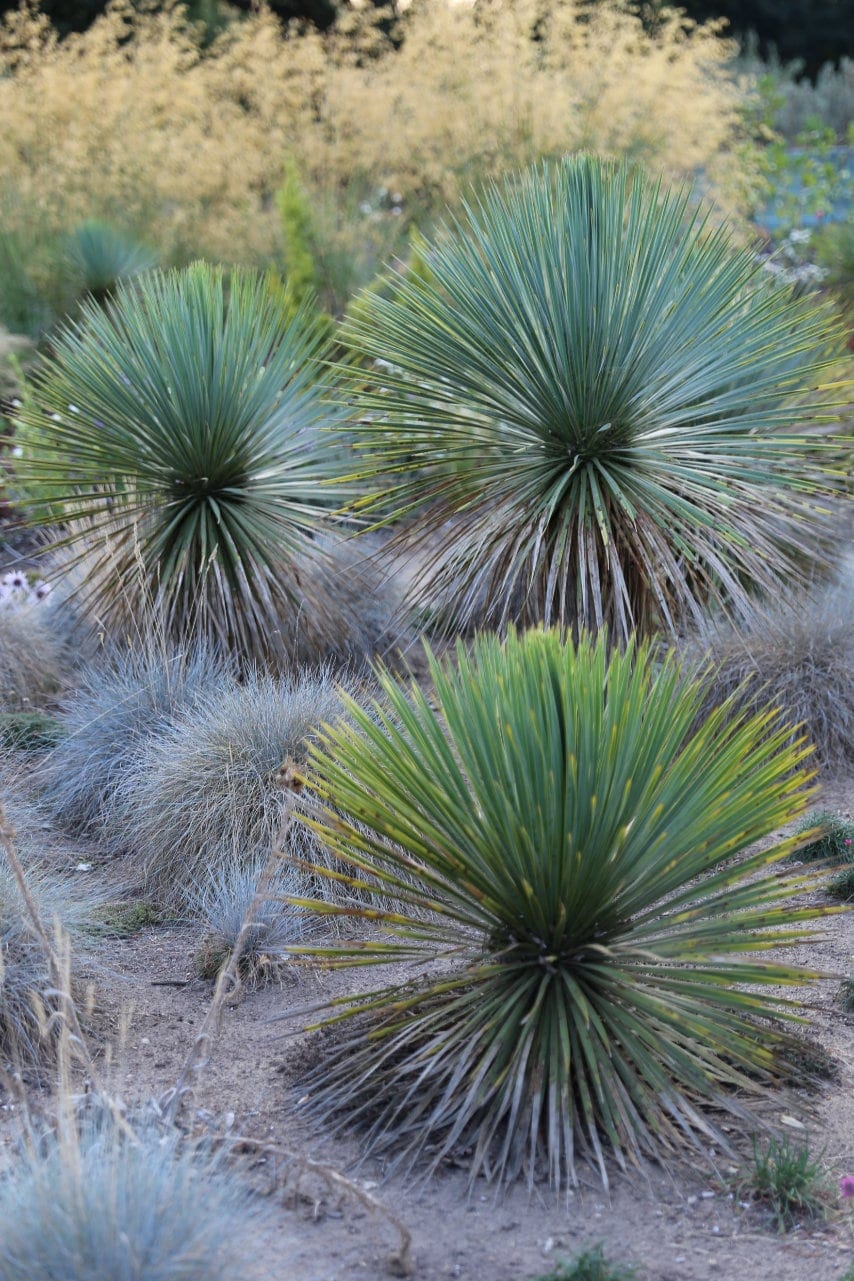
pixel 289 777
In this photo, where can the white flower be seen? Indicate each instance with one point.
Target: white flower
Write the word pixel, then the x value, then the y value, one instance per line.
pixel 800 236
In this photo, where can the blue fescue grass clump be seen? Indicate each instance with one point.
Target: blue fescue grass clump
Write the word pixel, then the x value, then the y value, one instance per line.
pixel 120 703
pixel 221 903
pixel 96 1205
pixel 205 792
pixel 33 664
pixel 795 654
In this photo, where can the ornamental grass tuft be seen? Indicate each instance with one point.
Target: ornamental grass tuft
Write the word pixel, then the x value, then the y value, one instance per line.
pixel 570 871
pixel 130 696
pixel 29 1002
pixel 204 794
pixel 796 653
pixel 105 1205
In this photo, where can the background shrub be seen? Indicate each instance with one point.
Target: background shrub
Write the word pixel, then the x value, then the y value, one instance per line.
pixel 471 93
pixel 796 654
pixel 204 795
pixel 551 831
pixel 130 696
pixel 34 665
pixel 814 31
pixel 102 256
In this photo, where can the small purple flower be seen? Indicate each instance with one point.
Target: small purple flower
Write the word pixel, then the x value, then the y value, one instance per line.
pixel 41 589
pixel 16 581
pixel 846 1185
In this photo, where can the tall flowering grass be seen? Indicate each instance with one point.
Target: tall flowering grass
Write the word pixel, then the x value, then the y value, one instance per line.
pixel 137 123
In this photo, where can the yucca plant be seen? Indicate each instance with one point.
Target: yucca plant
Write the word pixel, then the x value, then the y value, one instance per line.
pixel 183 427
pixel 593 405
pixel 576 866
pixel 101 256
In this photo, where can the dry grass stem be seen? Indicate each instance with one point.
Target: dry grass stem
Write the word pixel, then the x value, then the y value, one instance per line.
pixel 401 1262
pixel 74 1044
pixel 229 982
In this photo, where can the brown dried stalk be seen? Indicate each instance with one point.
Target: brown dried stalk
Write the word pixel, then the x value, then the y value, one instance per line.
pixel 401 1262
pixel 57 964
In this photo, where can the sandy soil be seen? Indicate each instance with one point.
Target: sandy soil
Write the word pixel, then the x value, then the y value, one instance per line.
pixel 678 1226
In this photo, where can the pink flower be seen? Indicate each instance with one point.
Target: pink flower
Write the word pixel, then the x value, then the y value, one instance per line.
pixel 846 1185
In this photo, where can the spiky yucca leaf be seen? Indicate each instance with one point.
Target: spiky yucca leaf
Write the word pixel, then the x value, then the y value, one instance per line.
pixel 183 429
pixel 593 404
pixel 573 862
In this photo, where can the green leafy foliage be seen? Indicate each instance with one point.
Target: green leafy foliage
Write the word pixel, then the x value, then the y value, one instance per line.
pixel 833 838
pixel 186 424
pixel 788 1181
pixel 834 251
pixel 123 920
pixel 803 182
pixel 22 308
pixel 846 995
pixel 842 884
pixel 299 234
pixel 590 1266
pixel 576 860
pixel 29 731
pixel 591 404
